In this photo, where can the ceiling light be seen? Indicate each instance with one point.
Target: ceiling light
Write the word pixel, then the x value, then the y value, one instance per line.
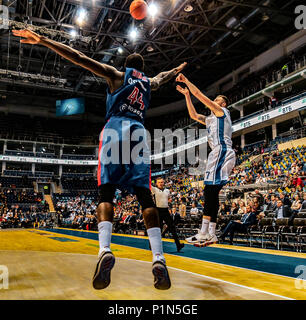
pixel 152 10
pixel 150 49
pixel 73 33
pixel 120 50
pixel 81 16
pixel 133 34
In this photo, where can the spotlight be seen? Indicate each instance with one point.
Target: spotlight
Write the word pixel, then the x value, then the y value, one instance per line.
pixel 73 33
pixel 152 10
pixel 81 15
pixel 133 34
pixel 265 17
pixel 120 50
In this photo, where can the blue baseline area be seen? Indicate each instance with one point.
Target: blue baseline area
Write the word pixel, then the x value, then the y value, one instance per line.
pixel 280 265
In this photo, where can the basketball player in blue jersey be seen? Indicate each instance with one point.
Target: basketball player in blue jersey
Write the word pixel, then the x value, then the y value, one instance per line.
pixel 221 159
pixel 128 97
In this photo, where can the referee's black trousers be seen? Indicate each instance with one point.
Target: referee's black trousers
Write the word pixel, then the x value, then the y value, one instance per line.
pixel 165 217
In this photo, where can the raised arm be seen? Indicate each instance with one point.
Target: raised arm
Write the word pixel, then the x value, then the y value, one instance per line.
pixel 213 106
pixel 191 109
pixel 165 76
pixel 110 73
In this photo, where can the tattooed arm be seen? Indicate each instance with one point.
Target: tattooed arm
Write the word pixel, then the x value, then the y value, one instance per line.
pixel 165 76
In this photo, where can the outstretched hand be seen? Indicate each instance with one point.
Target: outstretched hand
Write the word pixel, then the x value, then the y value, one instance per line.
pixel 184 91
pixel 181 78
pixel 30 36
pixel 180 67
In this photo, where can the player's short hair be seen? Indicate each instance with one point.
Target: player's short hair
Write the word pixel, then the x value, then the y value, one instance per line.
pixel 135 61
pixel 225 99
pixel 159 178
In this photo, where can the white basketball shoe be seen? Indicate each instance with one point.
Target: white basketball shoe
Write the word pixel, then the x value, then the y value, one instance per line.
pixel 211 239
pixel 199 237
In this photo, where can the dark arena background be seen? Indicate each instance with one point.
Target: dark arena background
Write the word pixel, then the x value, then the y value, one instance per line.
pixel 52 112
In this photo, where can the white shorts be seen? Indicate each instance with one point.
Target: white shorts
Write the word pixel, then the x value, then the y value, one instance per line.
pixel 220 164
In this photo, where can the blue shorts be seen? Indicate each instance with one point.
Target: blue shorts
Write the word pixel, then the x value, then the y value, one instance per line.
pixel 117 151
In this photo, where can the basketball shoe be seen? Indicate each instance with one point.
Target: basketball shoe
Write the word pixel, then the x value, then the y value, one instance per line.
pixel 105 264
pixel 211 239
pixel 198 237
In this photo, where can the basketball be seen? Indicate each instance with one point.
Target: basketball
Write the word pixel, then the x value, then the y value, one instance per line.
pixel 138 9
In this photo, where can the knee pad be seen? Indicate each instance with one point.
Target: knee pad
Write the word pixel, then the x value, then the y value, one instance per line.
pixel 144 197
pixel 106 193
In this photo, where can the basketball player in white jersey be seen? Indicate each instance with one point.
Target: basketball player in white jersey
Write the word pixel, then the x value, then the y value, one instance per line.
pixel 221 159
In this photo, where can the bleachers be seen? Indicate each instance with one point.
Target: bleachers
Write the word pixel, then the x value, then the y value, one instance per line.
pixel 12 182
pixel 24 128
pixel 84 183
pixel 21 173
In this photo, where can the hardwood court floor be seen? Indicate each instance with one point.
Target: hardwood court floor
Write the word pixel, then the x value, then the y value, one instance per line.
pixel 46 265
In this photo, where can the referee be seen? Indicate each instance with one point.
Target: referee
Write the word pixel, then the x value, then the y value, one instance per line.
pixel 161 196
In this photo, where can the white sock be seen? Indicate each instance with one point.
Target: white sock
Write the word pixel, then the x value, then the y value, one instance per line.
pixel 212 228
pixel 205 224
pixel 105 235
pixel 156 244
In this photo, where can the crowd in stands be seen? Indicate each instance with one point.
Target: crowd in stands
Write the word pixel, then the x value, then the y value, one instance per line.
pixel 22 208
pixel 287 166
pixel 76 211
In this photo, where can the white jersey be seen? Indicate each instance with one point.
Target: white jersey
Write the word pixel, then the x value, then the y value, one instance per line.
pixel 219 130
pixel 161 197
pixel 221 159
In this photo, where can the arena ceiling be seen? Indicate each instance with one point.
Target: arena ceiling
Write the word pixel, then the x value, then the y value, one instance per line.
pixel 214 37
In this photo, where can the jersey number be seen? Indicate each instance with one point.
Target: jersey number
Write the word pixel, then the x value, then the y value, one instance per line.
pixel 136 97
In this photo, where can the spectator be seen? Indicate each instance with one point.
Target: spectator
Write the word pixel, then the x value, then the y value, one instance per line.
pixel 282 210
pixel 248 219
pixel 234 208
pixel 242 208
pixel 296 204
pixel 194 211
pixel 285 199
pixel 303 206
pixel 182 209
pixel 223 210
pixel 270 203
